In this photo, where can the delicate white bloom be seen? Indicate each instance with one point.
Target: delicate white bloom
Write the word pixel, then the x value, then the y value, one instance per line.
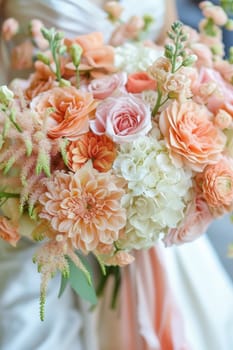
pixel 158 191
pixel 134 57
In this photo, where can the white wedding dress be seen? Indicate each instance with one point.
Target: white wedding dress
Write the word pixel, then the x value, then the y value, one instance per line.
pixel 202 289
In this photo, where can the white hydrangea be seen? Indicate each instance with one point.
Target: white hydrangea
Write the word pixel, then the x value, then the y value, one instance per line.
pixel 158 191
pixel 134 57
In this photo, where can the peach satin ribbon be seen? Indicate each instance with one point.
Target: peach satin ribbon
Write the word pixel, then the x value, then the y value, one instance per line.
pixel 147 317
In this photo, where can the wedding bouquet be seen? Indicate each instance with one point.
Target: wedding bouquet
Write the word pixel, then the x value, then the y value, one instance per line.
pixel 106 150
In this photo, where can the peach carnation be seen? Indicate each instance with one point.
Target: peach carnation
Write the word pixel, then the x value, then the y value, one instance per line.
pixel 140 81
pixel 84 207
pixel 8 231
pixel 217 185
pixel 191 135
pixel 100 149
pixel 70 111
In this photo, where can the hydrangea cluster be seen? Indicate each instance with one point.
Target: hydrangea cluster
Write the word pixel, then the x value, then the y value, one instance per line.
pixel 132 57
pixel 158 191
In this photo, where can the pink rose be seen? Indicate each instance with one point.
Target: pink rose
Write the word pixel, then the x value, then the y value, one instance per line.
pixel 104 87
pixel 123 118
pixel 10 27
pixel 195 223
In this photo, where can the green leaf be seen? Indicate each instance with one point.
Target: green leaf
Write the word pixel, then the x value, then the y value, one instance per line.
pixel 64 282
pixel 79 283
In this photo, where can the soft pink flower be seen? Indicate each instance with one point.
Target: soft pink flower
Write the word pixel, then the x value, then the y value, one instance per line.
pixel 104 87
pixel 122 118
pixel 216 13
pixel 8 231
pixel 10 27
pixel 225 68
pixel 114 9
pixel 222 119
pixel 220 96
pixel 195 223
pixel 85 207
pixel 217 185
pixel 203 53
pixel 35 27
pixel 190 134
pixel 21 56
pixel 193 35
pixel 126 31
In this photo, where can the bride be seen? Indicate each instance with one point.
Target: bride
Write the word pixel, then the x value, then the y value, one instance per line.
pixel 186 282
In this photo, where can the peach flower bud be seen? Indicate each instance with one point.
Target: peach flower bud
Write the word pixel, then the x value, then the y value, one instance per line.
pixel 9 28
pixel 134 26
pixel 114 9
pixel 217 185
pixel 223 119
pixel 21 57
pixel 8 232
pixel 35 27
pixel 203 4
pixel 216 13
pixel 121 259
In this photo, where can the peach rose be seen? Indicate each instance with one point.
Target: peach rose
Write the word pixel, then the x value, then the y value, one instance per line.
pixel 97 58
pixel 190 134
pixel 21 56
pixel 195 223
pixel 87 42
pixel 104 87
pixel 140 81
pixel 122 118
pixel 217 185
pixel 8 231
pixel 70 111
pixel 10 27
